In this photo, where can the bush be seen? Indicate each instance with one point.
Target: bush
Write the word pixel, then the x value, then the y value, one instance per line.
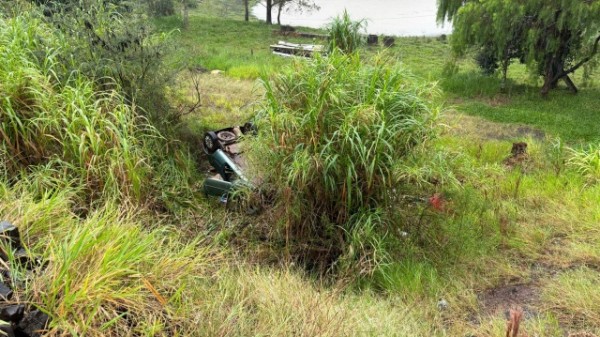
pixel 71 133
pixel 487 61
pixel 113 45
pixel 345 34
pixel 587 162
pixel 333 131
pixel 161 7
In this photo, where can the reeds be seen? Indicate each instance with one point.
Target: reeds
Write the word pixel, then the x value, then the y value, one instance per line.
pixel 345 34
pixel 335 129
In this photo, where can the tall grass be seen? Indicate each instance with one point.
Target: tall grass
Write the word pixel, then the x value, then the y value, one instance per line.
pixel 586 161
pixel 334 129
pixel 105 275
pixel 110 275
pixel 78 135
pixel 345 34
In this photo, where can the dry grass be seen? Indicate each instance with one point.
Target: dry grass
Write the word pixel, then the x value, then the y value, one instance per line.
pixel 223 101
pixel 281 302
pixel 574 296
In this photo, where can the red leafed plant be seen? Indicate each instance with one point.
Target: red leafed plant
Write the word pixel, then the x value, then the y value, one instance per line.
pixel 437 202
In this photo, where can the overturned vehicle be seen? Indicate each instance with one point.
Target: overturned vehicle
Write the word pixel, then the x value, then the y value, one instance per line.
pixel 225 156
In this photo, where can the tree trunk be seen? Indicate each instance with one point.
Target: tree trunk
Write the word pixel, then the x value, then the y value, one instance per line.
pixel 505 64
pixel 570 84
pixel 269 8
pixel 554 71
pixel 186 14
pixel 246 11
pixel 281 4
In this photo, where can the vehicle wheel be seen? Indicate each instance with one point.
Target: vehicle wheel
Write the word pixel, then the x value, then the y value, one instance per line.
pixel 249 128
pixel 226 136
pixel 211 142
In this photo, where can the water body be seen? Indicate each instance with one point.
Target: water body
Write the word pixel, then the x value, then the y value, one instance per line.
pixel 389 17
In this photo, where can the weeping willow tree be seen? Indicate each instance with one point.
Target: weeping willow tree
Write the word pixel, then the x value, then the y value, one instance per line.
pixel 554 38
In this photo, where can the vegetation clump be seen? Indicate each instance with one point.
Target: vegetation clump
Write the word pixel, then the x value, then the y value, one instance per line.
pixel 345 34
pixel 334 130
pixel 64 132
pixel 586 161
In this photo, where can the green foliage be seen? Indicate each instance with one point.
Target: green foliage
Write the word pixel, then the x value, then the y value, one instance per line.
pixel 113 45
pixel 334 129
pixel 553 39
pixel 487 61
pixel 108 273
pixel 345 34
pixel 161 7
pixel 586 161
pixel 69 131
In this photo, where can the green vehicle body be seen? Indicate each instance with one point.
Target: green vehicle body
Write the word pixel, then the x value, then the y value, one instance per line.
pixel 230 176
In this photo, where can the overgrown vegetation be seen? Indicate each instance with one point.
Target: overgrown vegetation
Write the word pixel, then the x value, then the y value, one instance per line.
pixel 426 228
pixel 335 130
pixel 345 34
pixel 113 45
pixel 62 132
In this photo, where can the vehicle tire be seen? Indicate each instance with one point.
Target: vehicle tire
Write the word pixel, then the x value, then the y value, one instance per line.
pixel 210 142
pixel 226 136
pixel 249 128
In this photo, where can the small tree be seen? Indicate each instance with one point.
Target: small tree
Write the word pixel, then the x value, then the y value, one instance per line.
pixel 114 45
pixel 161 7
pixel 554 38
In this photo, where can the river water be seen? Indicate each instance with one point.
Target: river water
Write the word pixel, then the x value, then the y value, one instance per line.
pixel 390 17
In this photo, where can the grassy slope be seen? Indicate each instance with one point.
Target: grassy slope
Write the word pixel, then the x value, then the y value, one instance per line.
pixel 534 227
pixel 241 50
pixel 530 232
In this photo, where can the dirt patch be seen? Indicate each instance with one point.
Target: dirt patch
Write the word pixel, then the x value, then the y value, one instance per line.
pixel 483 129
pixel 496 101
pixel 528 131
pixel 498 301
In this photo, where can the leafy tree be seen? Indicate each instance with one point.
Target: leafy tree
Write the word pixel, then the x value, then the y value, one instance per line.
pixel 297 5
pixel 554 38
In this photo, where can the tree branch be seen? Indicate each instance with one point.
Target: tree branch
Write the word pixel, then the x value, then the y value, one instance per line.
pixel 582 62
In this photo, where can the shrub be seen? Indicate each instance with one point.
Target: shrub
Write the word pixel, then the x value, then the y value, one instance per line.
pixel 333 131
pixel 586 161
pixel 74 134
pixel 487 61
pixel 113 45
pixel 345 34
pixel 161 7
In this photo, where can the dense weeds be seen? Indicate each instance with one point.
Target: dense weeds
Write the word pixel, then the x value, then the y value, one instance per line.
pixel 334 131
pixel 65 132
pixel 413 223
